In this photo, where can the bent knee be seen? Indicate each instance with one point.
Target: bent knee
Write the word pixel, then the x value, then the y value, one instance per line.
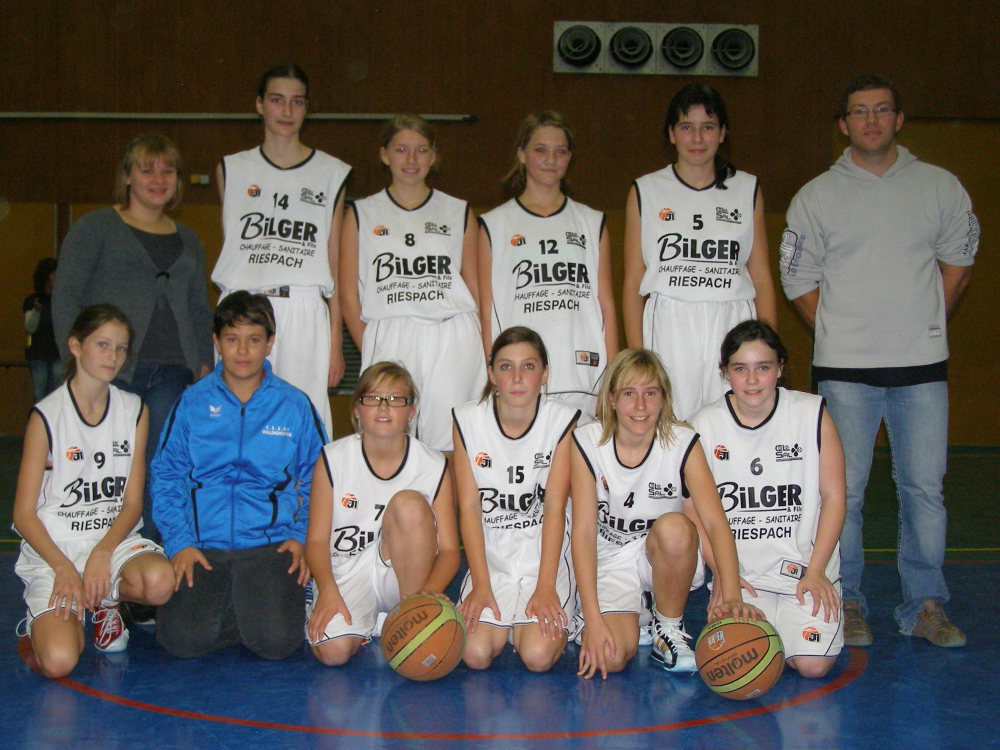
pixel 336 652
pixel 541 656
pixel 673 533
pixel 812 667
pixel 56 662
pixel 408 507
pixel 478 656
pixel 158 586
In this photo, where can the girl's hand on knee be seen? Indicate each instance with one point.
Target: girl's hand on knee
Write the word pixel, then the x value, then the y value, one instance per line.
pixel 327 606
pixel 823 593
pixel 97 577
pixel 67 589
pixel 474 604
pixel 544 604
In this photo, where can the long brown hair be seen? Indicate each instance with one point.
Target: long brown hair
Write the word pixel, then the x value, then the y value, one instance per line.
pixel 89 321
pixel 517 179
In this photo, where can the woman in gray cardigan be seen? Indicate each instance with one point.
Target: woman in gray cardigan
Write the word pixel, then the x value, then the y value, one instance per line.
pixel 134 256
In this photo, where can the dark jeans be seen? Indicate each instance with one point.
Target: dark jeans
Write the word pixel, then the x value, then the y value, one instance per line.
pixel 248 597
pixel 159 387
pixel 45 376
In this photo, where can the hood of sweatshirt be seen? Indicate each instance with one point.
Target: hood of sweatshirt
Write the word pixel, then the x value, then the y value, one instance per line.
pixel 845 165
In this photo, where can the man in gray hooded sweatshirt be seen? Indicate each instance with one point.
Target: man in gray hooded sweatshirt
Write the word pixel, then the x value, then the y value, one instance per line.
pixel 877 253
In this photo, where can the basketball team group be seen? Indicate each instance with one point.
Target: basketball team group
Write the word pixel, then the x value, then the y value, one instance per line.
pixel 182 473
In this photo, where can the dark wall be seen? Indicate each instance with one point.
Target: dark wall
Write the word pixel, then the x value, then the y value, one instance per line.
pixel 491 60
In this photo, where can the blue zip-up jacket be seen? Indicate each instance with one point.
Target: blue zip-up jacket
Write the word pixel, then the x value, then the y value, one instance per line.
pixel 233 476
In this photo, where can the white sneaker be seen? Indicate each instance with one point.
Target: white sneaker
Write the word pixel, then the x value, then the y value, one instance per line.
pixel 670 647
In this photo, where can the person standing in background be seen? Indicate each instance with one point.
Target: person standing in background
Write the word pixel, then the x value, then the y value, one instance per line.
pixel 877 253
pixel 282 207
pixel 134 256
pixel 42 353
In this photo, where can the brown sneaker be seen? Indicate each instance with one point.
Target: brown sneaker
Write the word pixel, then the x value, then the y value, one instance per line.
pixel 933 625
pixel 856 632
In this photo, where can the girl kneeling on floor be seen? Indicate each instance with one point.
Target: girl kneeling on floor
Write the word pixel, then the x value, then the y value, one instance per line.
pixel 635 473
pixel 512 473
pixel 382 522
pixel 78 506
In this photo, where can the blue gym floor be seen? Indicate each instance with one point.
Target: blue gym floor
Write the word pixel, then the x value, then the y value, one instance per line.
pixel 900 693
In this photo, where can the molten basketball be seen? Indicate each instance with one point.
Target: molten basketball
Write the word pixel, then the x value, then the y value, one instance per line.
pixel 739 660
pixel 423 637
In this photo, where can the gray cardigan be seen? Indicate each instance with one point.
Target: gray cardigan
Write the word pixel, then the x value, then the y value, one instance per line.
pixel 102 261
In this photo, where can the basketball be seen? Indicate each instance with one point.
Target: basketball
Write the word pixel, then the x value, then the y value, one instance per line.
pixel 423 637
pixel 739 660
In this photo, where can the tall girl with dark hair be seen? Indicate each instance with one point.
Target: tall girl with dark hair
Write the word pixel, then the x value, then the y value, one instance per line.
pixel 282 204
pixel 545 263
pixel 695 251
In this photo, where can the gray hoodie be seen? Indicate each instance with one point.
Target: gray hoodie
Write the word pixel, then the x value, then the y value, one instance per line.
pixel 871 245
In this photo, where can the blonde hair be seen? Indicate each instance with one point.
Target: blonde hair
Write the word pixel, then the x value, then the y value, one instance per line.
pixel 416 123
pixel 635 366
pixel 377 374
pixel 143 150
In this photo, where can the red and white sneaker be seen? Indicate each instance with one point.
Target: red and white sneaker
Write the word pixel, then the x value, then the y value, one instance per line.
pixel 110 633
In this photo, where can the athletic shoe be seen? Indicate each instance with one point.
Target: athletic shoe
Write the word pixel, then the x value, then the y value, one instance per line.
pixel 137 614
pixel 646 620
pixel 110 633
pixel 933 625
pixel 670 647
pixel 856 631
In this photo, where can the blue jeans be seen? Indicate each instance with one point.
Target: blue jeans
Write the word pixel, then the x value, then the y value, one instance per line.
pixel 159 387
pixel 45 376
pixel 916 419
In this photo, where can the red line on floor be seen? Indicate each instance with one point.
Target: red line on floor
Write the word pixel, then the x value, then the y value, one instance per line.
pixel 859 660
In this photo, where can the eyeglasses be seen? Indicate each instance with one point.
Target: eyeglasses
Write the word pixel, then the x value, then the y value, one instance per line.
pixel 861 113
pixel 397 401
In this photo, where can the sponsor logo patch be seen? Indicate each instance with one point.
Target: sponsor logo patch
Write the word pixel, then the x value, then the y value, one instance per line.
pixel 517 240
pixel 74 454
pixel 315 199
pixel 591 359
pixel 431 228
pixel 483 460
pixel 729 216
pixel 253 191
pixel 667 214
pixel 349 501
pixel 721 452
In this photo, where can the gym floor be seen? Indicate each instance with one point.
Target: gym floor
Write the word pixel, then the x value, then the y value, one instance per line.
pixel 901 692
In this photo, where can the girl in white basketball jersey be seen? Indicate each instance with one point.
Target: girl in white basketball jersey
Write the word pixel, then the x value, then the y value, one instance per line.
pixel 512 475
pixel 779 466
pixel 638 474
pixel 78 504
pixel 408 284
pixel 545 263
pixel 695 251
pixel 282 207
pixel 382 521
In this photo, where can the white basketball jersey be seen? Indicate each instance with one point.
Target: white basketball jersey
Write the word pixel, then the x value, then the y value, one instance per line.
pixel 695 243
pixel 82 493
pixel 410 262
pixel 511 472
pixel 629 500
pixel 768 479
pixel 545 277
pixel 360 496
pixel 277 222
